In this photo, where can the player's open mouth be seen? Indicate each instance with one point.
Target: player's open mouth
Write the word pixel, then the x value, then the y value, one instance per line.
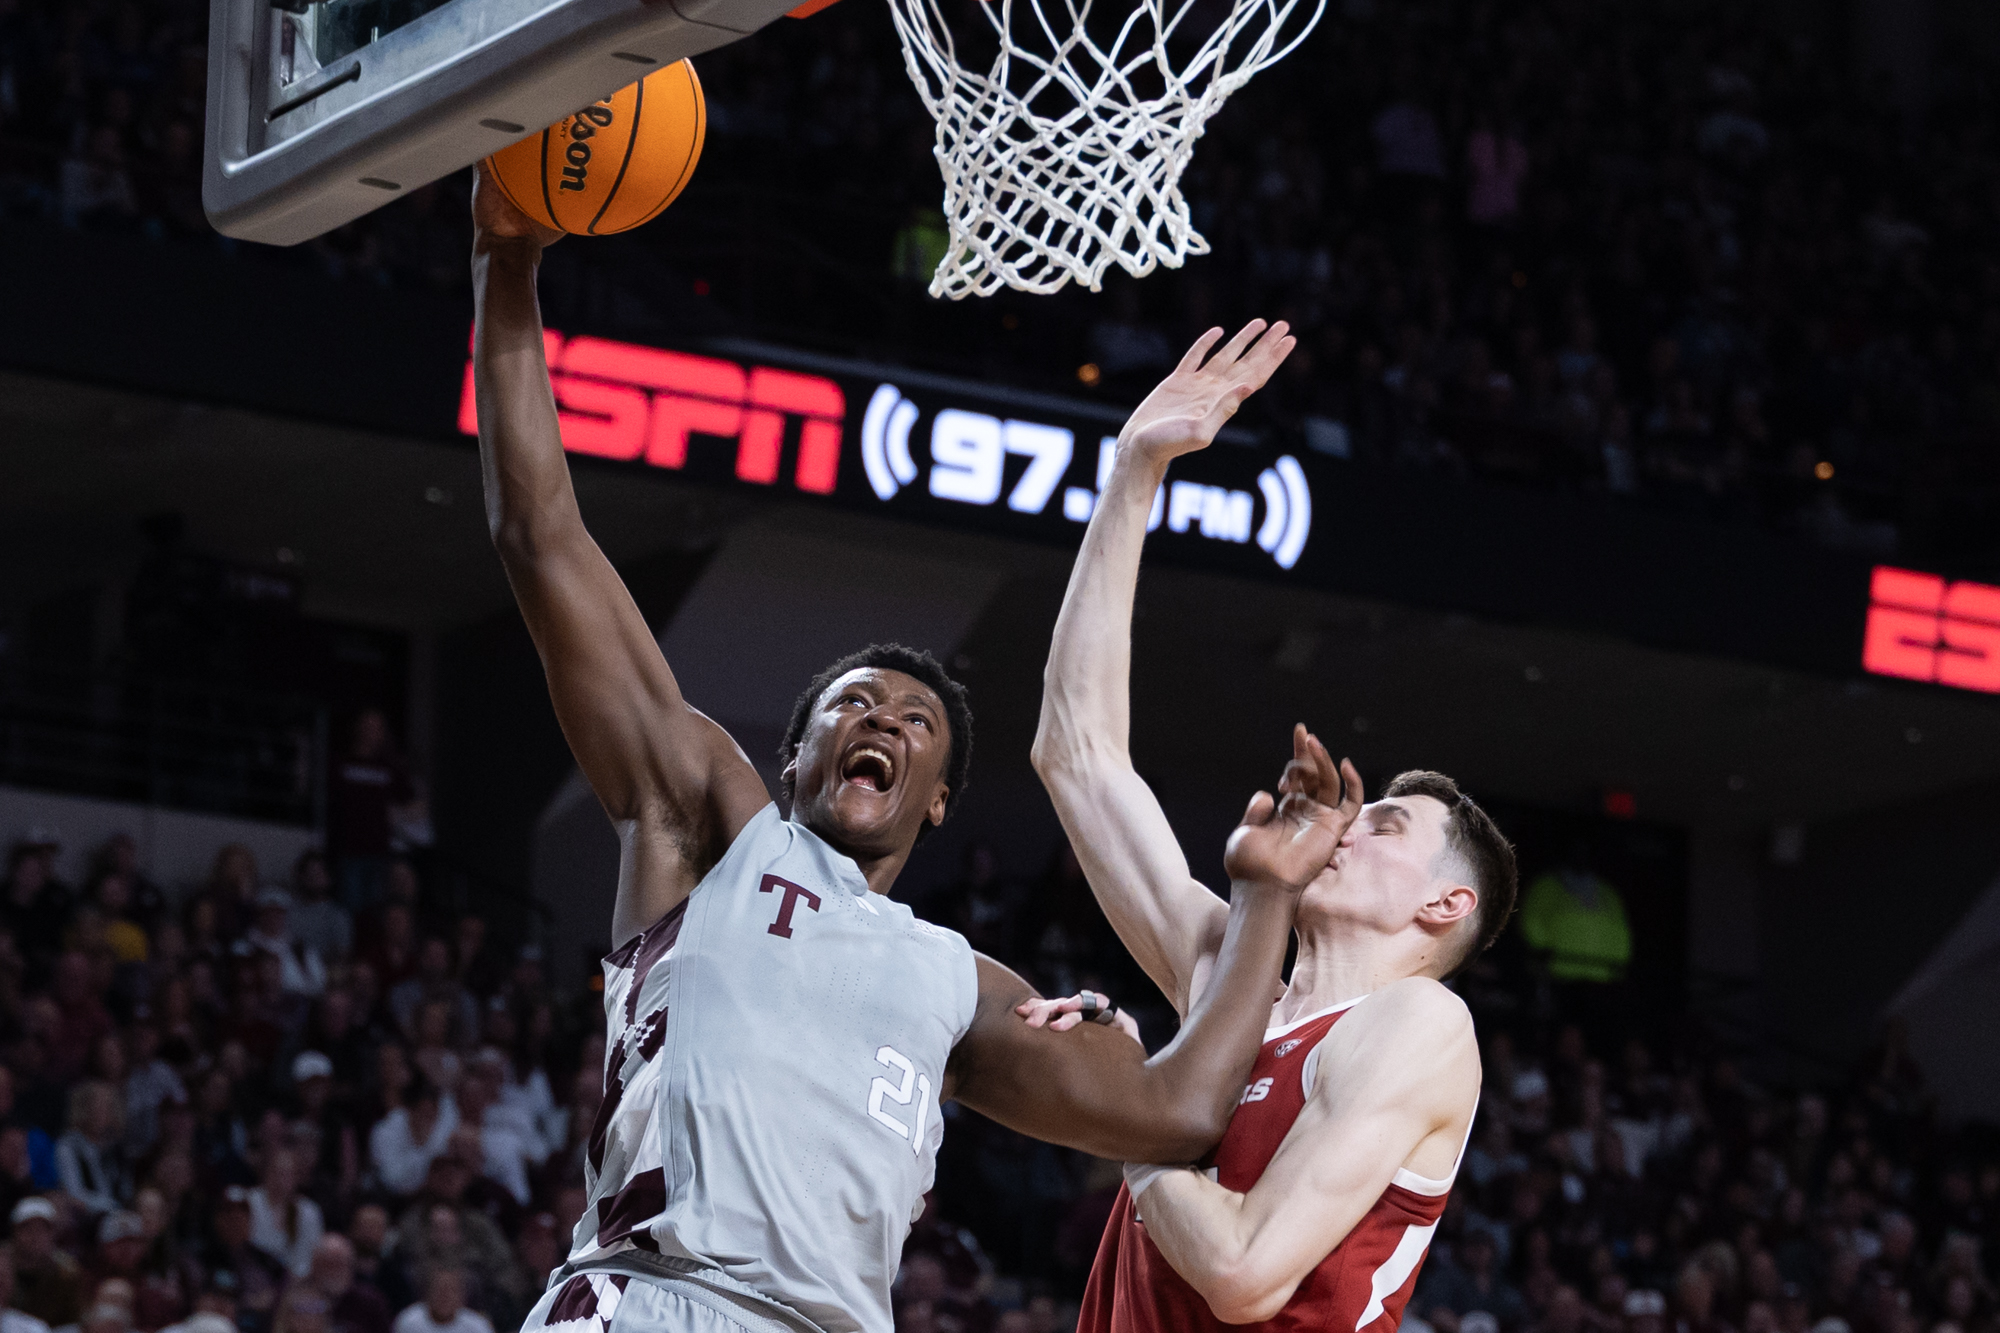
pixel 869 767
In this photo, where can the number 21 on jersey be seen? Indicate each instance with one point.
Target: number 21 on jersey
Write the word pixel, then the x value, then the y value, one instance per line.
pixel 882 1090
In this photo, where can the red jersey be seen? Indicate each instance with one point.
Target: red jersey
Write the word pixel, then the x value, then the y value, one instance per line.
pixel 1363 1284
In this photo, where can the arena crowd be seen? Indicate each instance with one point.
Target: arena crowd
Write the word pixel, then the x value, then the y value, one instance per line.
pixel 1668 253
pixel 309 1103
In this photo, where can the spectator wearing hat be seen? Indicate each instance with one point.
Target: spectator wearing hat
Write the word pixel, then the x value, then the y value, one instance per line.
pixel 352 1307
pixel 443 1309
pixel 322 1133
pixel 11 1319
pixel 90 1161
pixel 283 1223
pixel 121 1245
pixel 301 971
pixel 48 1283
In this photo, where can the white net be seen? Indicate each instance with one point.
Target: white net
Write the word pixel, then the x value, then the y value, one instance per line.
pixel 1065 156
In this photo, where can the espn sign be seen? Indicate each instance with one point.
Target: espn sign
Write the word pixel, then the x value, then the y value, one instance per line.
pixel 1921 627
pixel 631 403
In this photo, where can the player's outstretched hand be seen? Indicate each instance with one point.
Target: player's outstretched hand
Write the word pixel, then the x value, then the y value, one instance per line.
pixel 1289 840
pixel 1062 1015
pixel 1186 409
pixel 494 215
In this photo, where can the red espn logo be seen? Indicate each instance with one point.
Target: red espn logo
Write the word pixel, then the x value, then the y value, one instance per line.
pixel 620 400
pixel 1922 628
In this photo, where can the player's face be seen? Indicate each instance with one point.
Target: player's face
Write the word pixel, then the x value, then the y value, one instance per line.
pixel 870 768
pixel 1387 867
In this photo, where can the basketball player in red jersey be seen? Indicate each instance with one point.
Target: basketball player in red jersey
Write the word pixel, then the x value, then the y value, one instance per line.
pixel 1317 1207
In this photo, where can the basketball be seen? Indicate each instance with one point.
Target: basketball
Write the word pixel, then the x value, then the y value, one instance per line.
pixel 614 165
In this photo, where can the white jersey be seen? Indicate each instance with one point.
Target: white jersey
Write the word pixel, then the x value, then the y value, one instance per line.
pixel 776 1047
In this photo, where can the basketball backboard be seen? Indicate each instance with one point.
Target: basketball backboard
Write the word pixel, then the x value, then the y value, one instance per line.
pixel 321 110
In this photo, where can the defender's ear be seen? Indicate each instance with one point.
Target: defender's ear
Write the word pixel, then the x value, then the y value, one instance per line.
pixel 1449 905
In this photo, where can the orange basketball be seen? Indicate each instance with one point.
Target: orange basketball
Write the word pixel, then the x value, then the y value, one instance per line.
pixel 614 164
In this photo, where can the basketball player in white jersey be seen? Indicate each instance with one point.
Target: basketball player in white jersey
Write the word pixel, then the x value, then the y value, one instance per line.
pixel 781 1033
pixel 1323 1195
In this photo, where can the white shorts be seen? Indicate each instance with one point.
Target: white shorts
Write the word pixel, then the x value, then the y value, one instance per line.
pixel 622 1303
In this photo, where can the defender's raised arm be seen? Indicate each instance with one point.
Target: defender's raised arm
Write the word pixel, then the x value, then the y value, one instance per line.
pixel 1170 922
pixel 673 782
pixel 1093 1088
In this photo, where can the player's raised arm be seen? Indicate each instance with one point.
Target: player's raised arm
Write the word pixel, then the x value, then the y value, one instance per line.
pixel 675 784
pixel 1170 922
pixel 1093 1088
pixel 1408 1070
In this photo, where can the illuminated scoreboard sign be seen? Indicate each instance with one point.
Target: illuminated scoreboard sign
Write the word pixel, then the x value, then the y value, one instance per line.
pixel 1922 627
pixel 921 451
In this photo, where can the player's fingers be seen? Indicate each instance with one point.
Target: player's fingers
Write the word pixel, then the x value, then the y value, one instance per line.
pixel 1325 772
pixel 1065 1023
pixel 1199 352
pixel 1260 810
pixel 1351 795
pixel 1232 351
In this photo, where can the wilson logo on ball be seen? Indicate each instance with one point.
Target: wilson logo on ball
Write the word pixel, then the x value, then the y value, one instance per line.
pixel 583 127
pixel 613 165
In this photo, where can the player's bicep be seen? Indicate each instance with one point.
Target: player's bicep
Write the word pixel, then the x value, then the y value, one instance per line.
pixel 636 738
pixel 1168 920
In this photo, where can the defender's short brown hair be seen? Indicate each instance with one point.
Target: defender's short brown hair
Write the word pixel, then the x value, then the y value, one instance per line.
pixel 1472 837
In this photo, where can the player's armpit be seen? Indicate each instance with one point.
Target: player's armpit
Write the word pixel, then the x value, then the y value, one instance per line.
pixel 675 782
pixel 1396 1071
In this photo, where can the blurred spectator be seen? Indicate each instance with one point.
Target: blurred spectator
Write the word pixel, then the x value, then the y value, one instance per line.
pixel 300 970
pixel 284 1224
pixel 404 1143
pixel 369 791
pixel 90 1158
pixel 322 925
pixel 442 1309
pixel 13 1320
pixel 352 1307
pixel 48 1283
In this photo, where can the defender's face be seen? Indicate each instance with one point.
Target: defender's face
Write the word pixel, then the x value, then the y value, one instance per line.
pixel 869 772
pixel 1386 869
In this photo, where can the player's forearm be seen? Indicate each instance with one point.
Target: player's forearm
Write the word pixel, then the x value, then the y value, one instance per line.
pixel 528 493
pixel 1200 1076
pixel 1201 1229
pixel 1086 687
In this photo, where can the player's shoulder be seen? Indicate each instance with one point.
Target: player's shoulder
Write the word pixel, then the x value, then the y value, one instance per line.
pixel 1416 1002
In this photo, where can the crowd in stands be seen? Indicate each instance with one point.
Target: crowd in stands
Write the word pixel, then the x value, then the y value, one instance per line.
pixel 1675 253
pixel 321 1105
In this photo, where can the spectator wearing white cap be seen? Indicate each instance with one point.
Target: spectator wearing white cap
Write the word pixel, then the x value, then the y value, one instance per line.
pixel 302 970
pixel 48 1283
pixel 283 1223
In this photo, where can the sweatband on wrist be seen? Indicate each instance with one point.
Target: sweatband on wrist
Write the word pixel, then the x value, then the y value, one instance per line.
pixel 1138 1177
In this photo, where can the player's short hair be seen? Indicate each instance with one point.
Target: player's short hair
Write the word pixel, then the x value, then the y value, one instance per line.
pixel 1475 841
pixel 913 662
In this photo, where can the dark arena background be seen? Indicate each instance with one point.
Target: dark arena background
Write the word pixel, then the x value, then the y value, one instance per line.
pixel 1639 466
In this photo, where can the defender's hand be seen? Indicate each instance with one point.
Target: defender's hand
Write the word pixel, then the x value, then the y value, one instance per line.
pixel 1062 1015
pixel 1187 408
pixel 1288 841
pixel 494 216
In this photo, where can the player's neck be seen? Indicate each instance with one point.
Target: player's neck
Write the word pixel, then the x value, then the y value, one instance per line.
pixel 1335 968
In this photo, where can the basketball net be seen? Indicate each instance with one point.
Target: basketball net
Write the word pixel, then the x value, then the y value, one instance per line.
pixel 1032 200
